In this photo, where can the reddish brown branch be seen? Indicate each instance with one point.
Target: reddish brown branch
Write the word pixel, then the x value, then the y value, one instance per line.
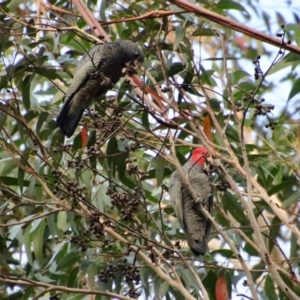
pixel 58 9
pixel 90 19
pixel 226 22
pixel 149 15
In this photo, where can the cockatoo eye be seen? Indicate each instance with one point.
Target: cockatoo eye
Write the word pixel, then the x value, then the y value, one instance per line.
pixel 136 55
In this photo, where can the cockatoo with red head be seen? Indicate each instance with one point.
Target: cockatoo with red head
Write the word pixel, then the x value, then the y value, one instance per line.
pixel 195 225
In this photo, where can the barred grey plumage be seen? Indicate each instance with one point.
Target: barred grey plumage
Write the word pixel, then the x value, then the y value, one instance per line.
pixel 193 222
pixel 97 72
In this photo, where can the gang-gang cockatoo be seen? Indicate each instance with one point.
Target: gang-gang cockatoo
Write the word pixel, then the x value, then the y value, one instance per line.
pixel 97 72
pixel 195 225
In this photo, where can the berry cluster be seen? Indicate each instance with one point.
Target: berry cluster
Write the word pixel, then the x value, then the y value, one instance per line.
pixel 132 147
pixel 167 254
pixel 57 175
pixel 70 188
pixel 128 206
pixel 133 294
pixel 65 148
pixel 105 126
pixel 115 123
pixel 96 227
pixel 264 110
pixel 118 198
pixel 58 183
pixel 131 273
pixel 77 240
pixel 257 69
pixel 96 148
pixel 98 121
pixel 166 88
pixel 282 36
pixel 77 163
pixel 74 191
pixel 132 169
pixel 177 245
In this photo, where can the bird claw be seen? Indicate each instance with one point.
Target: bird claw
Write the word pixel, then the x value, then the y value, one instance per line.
pixel 199 200
pixel 222 187
pixel 104 80
pixel 210 168
pixel 95 75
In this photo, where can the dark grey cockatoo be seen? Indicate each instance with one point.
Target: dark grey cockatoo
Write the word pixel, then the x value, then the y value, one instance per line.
pixel 97 72
pixel 193 222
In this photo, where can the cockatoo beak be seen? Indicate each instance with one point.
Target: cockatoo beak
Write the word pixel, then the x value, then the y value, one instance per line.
pixel 131 67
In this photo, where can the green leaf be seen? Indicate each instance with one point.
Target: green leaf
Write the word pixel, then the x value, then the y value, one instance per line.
pixel 274 232
pixel 41 120
pixel 57 140
pixel 294 198
pixel 73 277
pixel 159 168
pixel 246 87
pixel 188 278
pixel 68 260
pixel 224 252
pixel 115 158
pixel 92 271
pixel 175 68
pixel 43 278
pixel 12 181
pixel 59 250
pixel 204 32
pixel 295 89
pixel 62 223
pixel 231 205
pixel 145 119
pixel 52 226
pixel 206 76
pixel 257 274
pixel 228 4
pixel 209 282
pixel 38 240
pixel 292 27
pixel 228 276
pixel 179 35
pixel 281 186
pixel 160 287
pixel 26 91
pixel 262 172
pixel 238 75
pixel 21 172
pixel 111 150
pixel 102 199
pixel 248 247
pixel 145 275
pixel 270 288
pixel 27 244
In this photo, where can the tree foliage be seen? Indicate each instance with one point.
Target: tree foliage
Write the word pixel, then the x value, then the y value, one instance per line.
pixel 90 216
